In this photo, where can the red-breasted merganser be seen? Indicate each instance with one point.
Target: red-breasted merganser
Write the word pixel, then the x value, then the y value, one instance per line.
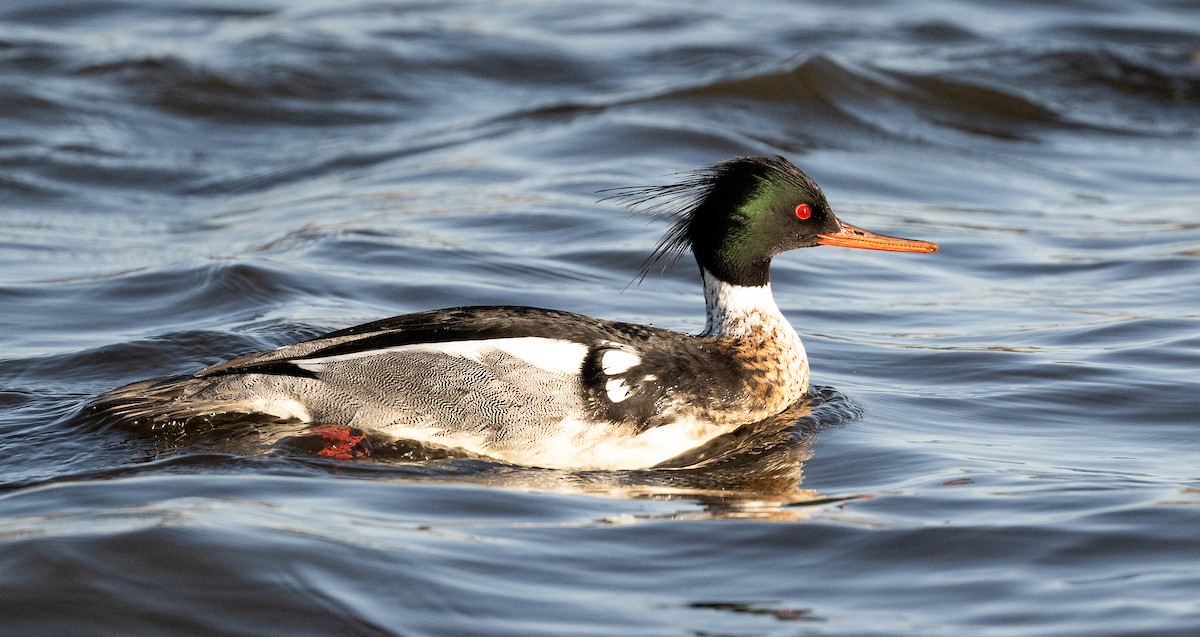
pixel 552 388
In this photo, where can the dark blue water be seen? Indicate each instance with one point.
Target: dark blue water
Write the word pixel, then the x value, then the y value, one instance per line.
pixel 1005 437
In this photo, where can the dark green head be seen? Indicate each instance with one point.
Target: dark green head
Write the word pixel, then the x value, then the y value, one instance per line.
pixel 738 214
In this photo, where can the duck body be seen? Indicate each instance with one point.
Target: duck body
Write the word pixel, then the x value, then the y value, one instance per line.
pixel 553 388
pixel 529 385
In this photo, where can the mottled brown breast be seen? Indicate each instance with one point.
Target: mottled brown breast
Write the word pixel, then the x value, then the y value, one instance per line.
pixel 778 369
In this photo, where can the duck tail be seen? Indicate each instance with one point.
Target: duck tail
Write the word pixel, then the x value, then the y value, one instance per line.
pixel 158 403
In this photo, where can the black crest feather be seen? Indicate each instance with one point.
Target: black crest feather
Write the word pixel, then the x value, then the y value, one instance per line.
pixel 678 201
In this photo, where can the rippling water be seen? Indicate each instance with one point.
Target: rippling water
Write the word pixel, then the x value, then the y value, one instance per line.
pixel 1004 437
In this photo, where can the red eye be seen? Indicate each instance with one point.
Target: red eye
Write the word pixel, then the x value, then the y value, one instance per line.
pixel 803 211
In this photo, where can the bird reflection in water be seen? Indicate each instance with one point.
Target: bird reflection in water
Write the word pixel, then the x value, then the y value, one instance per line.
pixel 754 472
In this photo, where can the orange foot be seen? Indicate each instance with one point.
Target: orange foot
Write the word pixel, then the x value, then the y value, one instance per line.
pixel 340 443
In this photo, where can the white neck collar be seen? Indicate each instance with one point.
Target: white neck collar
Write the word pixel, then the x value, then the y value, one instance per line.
pixel 735 310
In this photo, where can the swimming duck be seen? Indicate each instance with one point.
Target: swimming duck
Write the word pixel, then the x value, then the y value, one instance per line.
pixel 553 388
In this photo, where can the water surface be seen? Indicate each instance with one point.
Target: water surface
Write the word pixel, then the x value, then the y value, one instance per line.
pixel 1003 441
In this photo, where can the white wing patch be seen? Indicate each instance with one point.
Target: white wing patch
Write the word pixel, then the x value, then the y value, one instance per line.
pixel 550 354
pixel 617 390
pixel 616 361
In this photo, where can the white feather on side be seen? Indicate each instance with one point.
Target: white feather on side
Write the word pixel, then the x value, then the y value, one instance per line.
pixel 550 354
pixel 617 361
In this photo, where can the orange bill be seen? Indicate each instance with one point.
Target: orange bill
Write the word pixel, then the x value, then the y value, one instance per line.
pixel 848 236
